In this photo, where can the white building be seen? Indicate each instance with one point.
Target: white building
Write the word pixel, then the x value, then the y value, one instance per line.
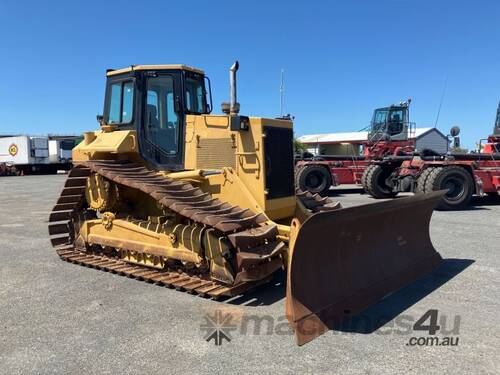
pixel 350 143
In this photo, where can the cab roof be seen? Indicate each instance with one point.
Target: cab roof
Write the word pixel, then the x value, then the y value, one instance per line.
pixel 131 68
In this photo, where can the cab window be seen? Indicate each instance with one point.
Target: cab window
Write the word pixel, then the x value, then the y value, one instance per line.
pixel 120 102
pixel 396 122
pixel 380 116
pixel 379 120
pixel 195 95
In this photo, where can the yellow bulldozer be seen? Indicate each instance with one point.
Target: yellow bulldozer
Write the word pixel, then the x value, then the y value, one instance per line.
pixel 169 193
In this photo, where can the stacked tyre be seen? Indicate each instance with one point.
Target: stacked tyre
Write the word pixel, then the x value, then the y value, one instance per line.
pixel 456 180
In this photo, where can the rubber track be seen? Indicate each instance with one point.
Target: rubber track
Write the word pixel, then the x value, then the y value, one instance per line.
pixel 67 207
pixel 179 196
pixel 172 279
pixel 185 199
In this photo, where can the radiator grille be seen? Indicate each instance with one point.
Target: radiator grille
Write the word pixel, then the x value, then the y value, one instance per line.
pixel 215 153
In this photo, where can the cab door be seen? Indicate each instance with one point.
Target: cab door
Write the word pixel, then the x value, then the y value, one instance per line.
pixel 162 130
pixel 397 124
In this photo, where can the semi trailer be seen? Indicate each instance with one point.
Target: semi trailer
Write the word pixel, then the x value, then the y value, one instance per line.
pixel 24 154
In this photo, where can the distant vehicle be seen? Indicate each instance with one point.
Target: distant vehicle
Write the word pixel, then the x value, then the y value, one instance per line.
pixel 60 151
pixel 461 175
pixel 391 133
pixel 28 154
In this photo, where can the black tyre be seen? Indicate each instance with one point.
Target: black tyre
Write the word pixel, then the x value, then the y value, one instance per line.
pixel 363 178
pixel 421 180
pixel 373 180
pixel 456 180
pixel 314 178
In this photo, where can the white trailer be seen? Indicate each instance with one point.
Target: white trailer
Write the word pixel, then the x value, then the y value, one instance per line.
pixel 27 154
pixel 23 149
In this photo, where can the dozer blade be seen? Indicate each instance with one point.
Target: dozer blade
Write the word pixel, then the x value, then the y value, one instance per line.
pixel 343 261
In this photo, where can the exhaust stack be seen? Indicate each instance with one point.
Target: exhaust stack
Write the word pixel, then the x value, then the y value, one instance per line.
pixel 233 107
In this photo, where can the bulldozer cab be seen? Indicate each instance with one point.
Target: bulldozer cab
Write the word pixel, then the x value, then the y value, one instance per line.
pixel 390 123
pixel 154 100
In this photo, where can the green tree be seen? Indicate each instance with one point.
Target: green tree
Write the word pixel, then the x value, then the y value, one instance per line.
pixel 298 146
pixel 459 150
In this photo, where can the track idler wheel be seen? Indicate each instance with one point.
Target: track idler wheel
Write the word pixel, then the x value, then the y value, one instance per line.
pixel 101 194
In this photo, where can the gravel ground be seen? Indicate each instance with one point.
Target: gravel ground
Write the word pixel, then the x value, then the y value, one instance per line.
pixel 57 317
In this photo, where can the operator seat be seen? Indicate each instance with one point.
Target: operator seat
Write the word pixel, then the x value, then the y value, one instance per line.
pixel 153 123
pixel 395 125
pixel 152 118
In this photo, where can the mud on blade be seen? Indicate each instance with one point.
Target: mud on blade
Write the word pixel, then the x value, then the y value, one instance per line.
pixel 344 261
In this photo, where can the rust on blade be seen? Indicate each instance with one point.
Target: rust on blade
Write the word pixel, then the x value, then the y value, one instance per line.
pixel 345 260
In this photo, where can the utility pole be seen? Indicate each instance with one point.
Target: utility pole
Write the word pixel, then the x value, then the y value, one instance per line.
pixel 282 92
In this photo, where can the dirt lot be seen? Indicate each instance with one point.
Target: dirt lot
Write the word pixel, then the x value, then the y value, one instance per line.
pixel 57 317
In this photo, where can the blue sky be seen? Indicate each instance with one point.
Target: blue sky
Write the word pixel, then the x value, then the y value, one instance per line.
pixel 341 58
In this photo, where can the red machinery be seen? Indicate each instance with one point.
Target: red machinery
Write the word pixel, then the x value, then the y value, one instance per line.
pixel 462 175
pixel 390 134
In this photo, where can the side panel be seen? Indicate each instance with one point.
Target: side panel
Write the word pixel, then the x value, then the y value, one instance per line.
pixel 211 144
pixel 54 151
pixel 15 150
pixel 101 145
pixel 268 144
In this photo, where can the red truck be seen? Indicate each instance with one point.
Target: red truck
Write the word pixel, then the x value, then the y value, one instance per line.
pixel 462 175
pixel 390 134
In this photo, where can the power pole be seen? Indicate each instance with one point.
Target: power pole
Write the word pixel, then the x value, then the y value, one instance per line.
pixel 282 92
